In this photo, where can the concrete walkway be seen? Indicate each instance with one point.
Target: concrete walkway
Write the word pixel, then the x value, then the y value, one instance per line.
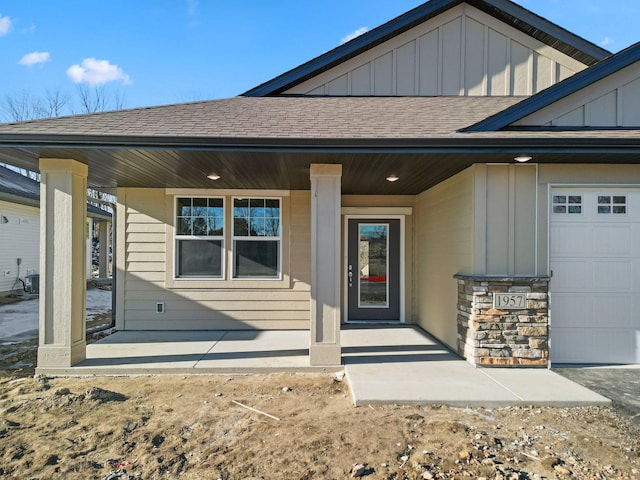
pixel 405 366
pixel 195 352
pixel 400 365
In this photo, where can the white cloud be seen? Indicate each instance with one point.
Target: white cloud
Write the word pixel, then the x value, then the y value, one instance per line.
pixel 607 41
pixel 97 72
pixel 354 34
pixel 34 58
pixel 192 7
pixel 5 25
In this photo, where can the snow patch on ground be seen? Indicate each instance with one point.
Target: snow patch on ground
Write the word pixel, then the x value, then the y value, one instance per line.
pixel 21 318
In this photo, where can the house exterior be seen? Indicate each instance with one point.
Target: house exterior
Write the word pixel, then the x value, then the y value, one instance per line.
pixel 468 167
pixel 20 229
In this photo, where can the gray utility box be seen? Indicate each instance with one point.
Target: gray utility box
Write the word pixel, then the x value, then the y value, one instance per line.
pixel 32 283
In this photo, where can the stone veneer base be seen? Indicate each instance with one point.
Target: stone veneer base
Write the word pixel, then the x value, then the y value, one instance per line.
pixel 503 338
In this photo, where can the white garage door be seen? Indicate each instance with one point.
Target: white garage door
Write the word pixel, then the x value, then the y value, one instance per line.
pixel 595 288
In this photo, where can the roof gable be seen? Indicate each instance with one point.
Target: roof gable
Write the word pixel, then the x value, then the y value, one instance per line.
pixel 605 95
pixel 505 11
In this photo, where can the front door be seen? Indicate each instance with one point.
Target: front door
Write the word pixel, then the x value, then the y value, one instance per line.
pixel 373 270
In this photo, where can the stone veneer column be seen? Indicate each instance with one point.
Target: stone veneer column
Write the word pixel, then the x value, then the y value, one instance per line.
pixel 63 213
pixel 326 190
pixel 503 337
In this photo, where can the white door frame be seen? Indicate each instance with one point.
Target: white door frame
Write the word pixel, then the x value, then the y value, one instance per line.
pixel 345 261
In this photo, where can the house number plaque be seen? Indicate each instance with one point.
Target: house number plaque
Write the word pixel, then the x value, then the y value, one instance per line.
pixel 510 301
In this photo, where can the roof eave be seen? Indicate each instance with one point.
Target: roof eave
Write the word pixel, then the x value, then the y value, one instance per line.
pixel 592 53
pixel 99 215
pixel 20 200
pixel 444 144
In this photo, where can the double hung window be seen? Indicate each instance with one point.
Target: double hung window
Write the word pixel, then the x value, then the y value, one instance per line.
pixel 199 237
pixel 256 237
pixel 254 245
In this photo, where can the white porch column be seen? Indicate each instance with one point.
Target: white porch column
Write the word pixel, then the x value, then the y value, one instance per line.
pixel 63 213
pixel 103 249
pixel 325 264
pixel 89 249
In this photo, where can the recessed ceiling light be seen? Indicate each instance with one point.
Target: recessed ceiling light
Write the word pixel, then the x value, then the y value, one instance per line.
pixel 523 158
pixel 213 176
pixel 393 178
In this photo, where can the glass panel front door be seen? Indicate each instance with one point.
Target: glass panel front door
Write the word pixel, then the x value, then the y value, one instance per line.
pixel 373 265
pixel 373 270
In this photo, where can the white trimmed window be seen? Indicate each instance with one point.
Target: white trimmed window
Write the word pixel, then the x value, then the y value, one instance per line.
pixel 256 238
pixel 199 237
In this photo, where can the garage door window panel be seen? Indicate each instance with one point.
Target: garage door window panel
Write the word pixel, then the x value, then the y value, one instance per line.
pixel 567 204
pixel 612 204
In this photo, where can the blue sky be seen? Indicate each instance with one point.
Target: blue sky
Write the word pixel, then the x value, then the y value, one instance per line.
pixel 157 52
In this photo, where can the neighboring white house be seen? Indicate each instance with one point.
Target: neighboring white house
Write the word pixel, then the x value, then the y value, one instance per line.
pixel 20 229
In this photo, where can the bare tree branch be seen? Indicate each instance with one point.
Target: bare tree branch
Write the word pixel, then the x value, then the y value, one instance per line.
pixel 25 106
pixel 55 101
pixel 22 107
pixel 99 99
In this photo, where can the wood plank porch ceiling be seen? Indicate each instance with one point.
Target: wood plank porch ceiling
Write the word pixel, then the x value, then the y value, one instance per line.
pixel 363 173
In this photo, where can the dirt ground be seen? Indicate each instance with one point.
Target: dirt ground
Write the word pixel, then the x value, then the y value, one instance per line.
pixel 190 427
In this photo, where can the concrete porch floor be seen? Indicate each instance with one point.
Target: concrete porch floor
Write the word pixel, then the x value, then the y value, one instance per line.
pixel 383 365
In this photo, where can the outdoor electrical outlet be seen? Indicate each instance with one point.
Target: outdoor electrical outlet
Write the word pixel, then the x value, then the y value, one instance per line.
pixel 159 307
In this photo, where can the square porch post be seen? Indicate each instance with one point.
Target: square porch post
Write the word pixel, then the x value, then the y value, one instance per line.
pixel 63 213
pixel 103 249
pixel 326 185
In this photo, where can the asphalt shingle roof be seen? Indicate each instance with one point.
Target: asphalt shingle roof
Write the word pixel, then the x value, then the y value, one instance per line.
pixel 15 186
pixel 282 117
pixel 13 183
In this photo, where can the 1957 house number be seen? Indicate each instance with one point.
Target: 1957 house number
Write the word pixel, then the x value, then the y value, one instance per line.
pixel 510 301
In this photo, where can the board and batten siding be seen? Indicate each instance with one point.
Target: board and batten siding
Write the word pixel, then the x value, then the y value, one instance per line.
pixel 444 246
pixel 611 102
pixel 464 51
pixel 207 305
pixel 505 219
pixel 19 238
